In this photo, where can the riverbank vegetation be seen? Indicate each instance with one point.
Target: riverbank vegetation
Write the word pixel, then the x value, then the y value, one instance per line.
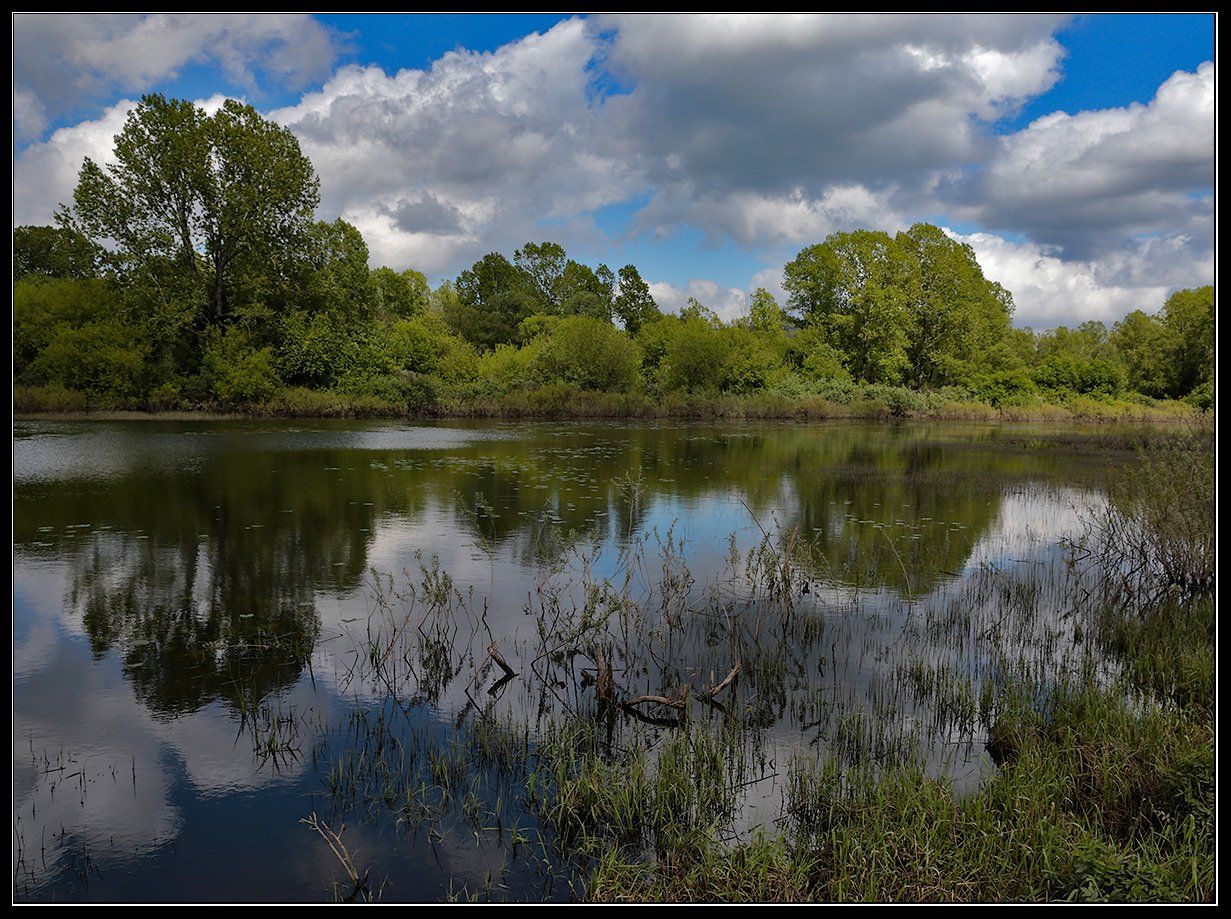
pixel 192 274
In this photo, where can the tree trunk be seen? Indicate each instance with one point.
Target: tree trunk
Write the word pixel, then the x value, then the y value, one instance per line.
pixel 217 300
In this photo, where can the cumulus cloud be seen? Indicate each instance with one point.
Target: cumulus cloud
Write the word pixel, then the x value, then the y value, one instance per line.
pixel 474 154
pixel 46 173
pixel 768 132
pixel 727 302
pixel 734 117
pixel 1086 180
pixel 62 61
pixel 1049 291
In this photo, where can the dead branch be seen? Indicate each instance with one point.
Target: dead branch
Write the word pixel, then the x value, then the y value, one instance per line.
pixel 678 702
pixel 494 653
pixel 715 690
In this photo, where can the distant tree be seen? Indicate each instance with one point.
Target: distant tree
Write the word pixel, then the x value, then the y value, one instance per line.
pixel 1188 317
pixel 544 264
pixel 337 279
pixel 588 353
pixel 854 288
pixel 54 252
pixel 695 356
pixel 764 314
pixel 633 305
pixel 913 308
pixel 585 292
pixel 197 195
pixel 1143 344
pixel 493 297
pixel 955 314
pixel 402 294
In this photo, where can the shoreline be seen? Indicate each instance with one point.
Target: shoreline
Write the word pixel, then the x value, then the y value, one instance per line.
pixel 799 414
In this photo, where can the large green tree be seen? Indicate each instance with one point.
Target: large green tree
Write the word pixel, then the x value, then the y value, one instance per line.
pixel 1188 317
pixel 955 314
pixel 855 288
pixel 195 200
pixel 914 308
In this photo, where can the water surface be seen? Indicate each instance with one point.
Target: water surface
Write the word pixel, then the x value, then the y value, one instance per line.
pixel 191 599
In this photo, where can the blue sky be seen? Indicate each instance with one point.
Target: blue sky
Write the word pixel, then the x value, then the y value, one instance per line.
pixel 707 152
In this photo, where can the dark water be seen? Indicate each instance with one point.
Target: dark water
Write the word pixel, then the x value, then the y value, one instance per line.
pixel 178 583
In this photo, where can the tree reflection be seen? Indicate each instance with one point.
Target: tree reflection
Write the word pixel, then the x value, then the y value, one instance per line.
pixel 202 578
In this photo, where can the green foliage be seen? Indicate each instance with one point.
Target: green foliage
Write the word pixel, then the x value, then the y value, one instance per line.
pixel 237 372
pixel 588 353
pixel 401 294
pixel 695 356
pixel 54 252
pixel 42 306
pixel 334 273
pixel 99 357
pixel 196 201
pixel 634 306
pixel 1188 317
pixel 316 350
pixel 751 360
pixel 814 357
pixel 493 297
pixel 217 284
pixel 913 308
pixel 1142 342
pixel 1064 371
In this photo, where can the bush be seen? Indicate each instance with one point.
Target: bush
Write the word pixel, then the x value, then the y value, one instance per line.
pixel 239 374
pixel 315 351
pixel 1202 397
pixel 587 353
pixel 102 358
pixel 1003 386
pixel 694 357
pixel 53 397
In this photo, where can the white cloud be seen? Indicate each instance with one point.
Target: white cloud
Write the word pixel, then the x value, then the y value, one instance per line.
pixel 1082 180
pixel 29 115
pixel 495 144
pixel 769 132
pixel 63 61
pixel 739 114
pixel 46 172
pixel 1049 291
pixel 727 302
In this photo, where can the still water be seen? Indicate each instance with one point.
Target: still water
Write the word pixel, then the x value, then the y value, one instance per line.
pixel 191 600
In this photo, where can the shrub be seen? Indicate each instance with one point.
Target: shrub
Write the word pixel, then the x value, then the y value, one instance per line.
pixel 102 357
pixel 587 353
pixel 694 357
pixel 238 373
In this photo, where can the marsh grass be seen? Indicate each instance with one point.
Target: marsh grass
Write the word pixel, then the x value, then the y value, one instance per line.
pixel 611 754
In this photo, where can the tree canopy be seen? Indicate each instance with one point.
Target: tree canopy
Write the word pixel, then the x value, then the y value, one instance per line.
pixel 192 270
pixel 196 198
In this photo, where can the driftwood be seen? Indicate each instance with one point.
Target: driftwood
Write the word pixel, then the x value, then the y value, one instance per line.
pixel 678 702
pixel 605 680
pixel 494 653
pixel 715 690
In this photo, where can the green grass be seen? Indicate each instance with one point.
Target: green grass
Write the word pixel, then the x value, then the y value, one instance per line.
pixel 1094 802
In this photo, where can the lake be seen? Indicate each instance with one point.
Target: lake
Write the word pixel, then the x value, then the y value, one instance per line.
pixel 222 628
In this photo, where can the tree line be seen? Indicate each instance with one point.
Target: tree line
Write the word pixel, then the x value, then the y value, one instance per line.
pixel 191 271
